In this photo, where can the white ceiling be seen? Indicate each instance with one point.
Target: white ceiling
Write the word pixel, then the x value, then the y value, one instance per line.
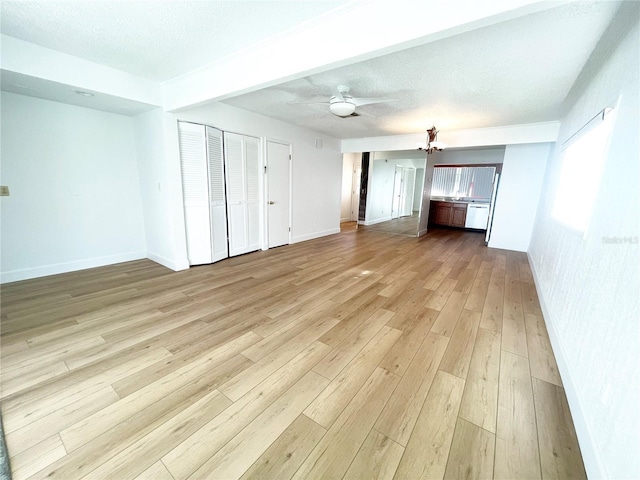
pixel 514 72
pixel 154 39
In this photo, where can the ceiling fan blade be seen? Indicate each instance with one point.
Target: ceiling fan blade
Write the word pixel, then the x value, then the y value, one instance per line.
pixel 369 101
pixel 308 103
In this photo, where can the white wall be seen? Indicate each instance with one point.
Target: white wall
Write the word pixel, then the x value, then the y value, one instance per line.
pixel 518 195
pixel 316 172
pixel 157 189
pixel 75 198
pixel 589 288
pixel 469 156
pixel 417 196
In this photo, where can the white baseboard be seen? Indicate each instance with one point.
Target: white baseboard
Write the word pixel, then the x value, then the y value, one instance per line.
pixel 346 219
pixel 165 262
pixel 56 268
pixel 593 463
pixel 311 236
pixel 379 220
pixel 422 232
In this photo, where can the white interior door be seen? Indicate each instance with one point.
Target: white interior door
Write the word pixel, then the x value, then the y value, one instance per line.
pixel 278 198
pixel 355 193
pixel 195 191
pixel 397 192
pixel 242 169
pixel 217 199
pixel 408 189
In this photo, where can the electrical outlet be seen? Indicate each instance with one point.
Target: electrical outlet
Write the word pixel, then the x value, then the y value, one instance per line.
pixel 4 191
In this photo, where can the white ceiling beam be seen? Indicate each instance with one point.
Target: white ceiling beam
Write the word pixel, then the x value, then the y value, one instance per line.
pixel 32 60
pixel 477 137
pixel 361 30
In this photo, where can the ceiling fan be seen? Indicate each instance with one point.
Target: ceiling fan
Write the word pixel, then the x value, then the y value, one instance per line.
pixel 342 104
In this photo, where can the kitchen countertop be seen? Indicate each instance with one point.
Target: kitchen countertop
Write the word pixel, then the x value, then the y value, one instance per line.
pixel 450 200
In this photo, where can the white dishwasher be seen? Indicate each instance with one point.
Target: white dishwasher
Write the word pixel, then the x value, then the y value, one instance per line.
pixel 477 216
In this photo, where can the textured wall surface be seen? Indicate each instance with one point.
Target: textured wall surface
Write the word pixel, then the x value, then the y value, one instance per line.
pixel 589 286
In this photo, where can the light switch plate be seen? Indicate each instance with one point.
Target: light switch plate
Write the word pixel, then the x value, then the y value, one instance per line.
pixel 4 191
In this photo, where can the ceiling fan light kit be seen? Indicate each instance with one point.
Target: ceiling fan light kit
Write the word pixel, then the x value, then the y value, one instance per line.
pixel 342 108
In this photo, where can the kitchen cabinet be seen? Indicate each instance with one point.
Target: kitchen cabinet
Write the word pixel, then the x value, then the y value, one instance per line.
pixel 452 214
pixel 458 214
pixel 442 213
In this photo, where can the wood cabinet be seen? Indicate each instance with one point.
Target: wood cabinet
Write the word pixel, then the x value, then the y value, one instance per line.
pixel 452 214
pixel 459 214
pixel 443 213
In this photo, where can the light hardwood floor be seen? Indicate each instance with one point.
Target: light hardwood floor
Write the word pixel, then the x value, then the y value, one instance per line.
pixel 399 226
pixel 360 355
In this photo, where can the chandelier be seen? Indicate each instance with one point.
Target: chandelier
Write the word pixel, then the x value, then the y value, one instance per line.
pixel 432 144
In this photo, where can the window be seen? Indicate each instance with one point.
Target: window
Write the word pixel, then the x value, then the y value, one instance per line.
pixel 582 162
pixel 459 182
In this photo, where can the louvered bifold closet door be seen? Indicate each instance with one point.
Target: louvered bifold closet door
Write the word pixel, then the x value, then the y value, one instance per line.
pixel 195 191
pixel 242 169
pixel 217 199
pixel 252 170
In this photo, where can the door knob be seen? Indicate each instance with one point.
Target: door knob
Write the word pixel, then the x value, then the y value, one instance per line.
pixel 271 203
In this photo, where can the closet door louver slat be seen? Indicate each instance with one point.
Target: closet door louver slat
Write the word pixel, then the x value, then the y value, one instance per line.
pixel 252 170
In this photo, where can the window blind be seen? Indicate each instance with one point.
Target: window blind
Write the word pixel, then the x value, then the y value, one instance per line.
pixel 468 182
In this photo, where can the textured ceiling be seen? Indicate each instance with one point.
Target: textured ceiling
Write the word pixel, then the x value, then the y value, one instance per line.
pixel 515 72
pixel 154 39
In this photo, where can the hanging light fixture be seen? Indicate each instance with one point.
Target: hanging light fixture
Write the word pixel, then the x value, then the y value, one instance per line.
pixel 432 144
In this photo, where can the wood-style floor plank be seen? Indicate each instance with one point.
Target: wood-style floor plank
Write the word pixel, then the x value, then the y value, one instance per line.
pixel 428 448
pixel 401 412
pixel 542 362
pixel 207 373
pixel 286 454
pixel 559 452
pixel 493 304
pixel 157 471
pixel 472 452
pixel 480 399
pixel 190 454
pixel 27 436
pixel 37 457
pixel 330 403
pixel 378 458
pixel 414 331
pixel 142 453
pixel 330 366
pixel 232 460
pixel 516 435
pixel 333 454
pixel 358 355
pixel 458 355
